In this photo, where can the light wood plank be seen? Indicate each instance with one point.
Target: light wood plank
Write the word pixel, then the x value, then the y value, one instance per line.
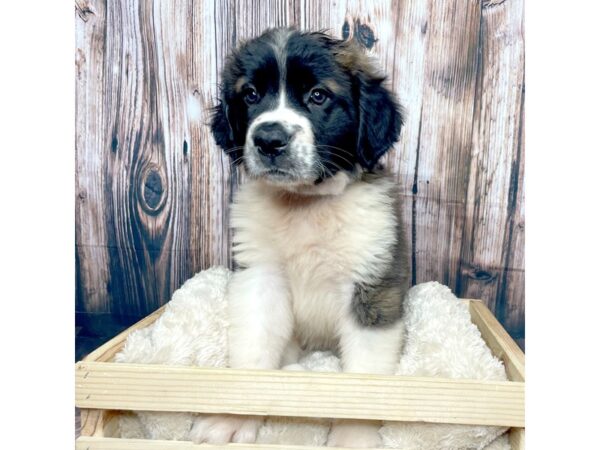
pixel 406 62
pixel 305 394
pixel 511 310
pixel 98 443
pixel 107 351
pixel 516 437
pixel 211 33
pixel 505 349
pixel 489 259
pixel 91 156
pixel 92 422
pixel 498 340
pixel 97 423
pixel 443 152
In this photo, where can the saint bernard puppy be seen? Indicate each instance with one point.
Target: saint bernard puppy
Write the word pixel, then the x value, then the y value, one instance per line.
pixel 318 238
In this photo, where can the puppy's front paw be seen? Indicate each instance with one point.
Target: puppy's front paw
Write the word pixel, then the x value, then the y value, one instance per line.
pixel 354 434
pixel 222 429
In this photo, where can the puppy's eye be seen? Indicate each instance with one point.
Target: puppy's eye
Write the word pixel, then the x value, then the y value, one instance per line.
pixel 251 96
pixel 318 96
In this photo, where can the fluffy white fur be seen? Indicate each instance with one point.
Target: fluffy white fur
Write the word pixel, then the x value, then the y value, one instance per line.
pixel 439 341
pixel 322 263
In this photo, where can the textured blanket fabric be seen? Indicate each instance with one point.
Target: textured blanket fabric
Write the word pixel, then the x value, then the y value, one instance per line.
pixel 440 342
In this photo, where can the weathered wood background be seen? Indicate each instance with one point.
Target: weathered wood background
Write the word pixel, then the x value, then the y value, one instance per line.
pixel 152 189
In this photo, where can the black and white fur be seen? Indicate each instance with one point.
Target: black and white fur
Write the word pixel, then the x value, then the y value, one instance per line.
pixel 317 231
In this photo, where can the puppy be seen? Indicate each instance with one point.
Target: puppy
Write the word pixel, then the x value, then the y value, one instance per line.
pixel 317 231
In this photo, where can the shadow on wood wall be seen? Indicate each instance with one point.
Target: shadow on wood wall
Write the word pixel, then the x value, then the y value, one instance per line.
pixel 152 188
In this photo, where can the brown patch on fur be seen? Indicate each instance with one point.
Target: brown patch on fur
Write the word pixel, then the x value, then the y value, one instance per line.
pixel 239 84
pixel 332 85
pixel 382 303
pixel 352 58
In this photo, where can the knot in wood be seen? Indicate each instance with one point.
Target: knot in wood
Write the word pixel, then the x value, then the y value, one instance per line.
pixel 481 275
pixel 152 194
pixel 345 30
pixel 84 9
pixel 360 32
pixel 364 35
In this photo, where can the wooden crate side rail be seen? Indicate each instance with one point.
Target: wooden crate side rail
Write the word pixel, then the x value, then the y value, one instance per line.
pixel 95 439
pixel 93 422
pixel 498 340
pixel 505 349
pixel 298 394
pixel 492 332
pixel 516 437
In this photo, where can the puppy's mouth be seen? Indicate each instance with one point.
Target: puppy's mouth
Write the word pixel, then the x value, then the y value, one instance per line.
pixel 278 175
pixel 277 172
pixel 290 167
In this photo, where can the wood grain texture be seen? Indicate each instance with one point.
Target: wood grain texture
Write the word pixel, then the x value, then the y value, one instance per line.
pixel 152 189
pixel 492 248
pixel 211 178
pixel 143 387
pixel 91 229
pixel 92 422
pixel 102 443
pixel 97 423
pixel 516 437
pixel 442 160
pixel 498 340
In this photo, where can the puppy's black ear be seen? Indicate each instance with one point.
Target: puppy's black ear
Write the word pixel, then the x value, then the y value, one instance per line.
pixel 222 131
pixel 380 120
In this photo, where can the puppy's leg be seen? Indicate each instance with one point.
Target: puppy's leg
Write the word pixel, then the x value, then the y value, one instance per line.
pixel 222 429
pixel 371 349
pixel 291 354
pixel 260 317
pixel 260 328
pixel 365 349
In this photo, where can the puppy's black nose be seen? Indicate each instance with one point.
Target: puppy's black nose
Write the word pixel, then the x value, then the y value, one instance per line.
pixel 271 139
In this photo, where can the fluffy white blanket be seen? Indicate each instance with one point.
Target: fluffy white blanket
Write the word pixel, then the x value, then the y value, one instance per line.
pixel 440 341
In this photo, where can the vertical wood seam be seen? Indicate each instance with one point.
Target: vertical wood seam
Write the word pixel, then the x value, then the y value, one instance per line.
pixel 477 95
pixel 500 310
pixel 415 190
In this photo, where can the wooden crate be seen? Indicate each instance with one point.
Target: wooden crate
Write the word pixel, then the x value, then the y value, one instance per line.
pixel 103 387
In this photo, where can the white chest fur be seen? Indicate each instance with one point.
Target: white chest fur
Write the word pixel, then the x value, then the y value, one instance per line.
pixel 322 244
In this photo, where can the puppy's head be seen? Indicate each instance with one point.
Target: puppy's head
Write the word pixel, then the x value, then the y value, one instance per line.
pixel 298 108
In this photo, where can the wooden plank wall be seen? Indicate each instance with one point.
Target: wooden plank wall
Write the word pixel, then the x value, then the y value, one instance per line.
pixel 152 189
